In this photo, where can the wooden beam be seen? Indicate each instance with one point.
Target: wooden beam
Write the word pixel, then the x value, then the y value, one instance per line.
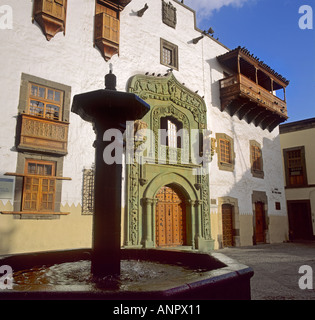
pixel 35 213
pixel 35 176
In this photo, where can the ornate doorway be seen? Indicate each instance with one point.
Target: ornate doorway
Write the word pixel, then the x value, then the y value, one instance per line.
pixel 170 218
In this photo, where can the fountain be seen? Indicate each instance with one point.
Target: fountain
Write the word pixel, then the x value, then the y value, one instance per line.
pixel 147 273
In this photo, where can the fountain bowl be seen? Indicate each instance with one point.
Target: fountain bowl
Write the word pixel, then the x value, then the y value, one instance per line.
pixel 200 276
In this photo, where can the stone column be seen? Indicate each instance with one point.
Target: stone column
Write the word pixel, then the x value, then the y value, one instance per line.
pixel 192 204
pixel 148 242
pixel 107 212
pixel 198 236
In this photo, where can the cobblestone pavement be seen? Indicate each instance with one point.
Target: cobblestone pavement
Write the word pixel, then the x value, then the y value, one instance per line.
pixel 276 268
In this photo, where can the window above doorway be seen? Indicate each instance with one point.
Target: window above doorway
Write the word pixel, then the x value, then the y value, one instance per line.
pixel 169 54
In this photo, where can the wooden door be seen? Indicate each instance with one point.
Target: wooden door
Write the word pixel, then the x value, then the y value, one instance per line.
pixel 260 222
pixel 227 225
pixel 170 218
pixel 300 220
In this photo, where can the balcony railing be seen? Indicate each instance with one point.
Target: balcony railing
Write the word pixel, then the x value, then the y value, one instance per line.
pixel 43 135
pixel 240 95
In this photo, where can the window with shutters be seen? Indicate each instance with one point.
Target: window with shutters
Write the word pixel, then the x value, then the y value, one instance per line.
pixel 295 167
pixel 256 159
pixel 225 151
pixel 50 16
pixel 39 186
pixel 106 28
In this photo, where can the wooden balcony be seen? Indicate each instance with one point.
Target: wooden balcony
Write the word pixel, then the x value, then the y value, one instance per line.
pixel 250 93
pixel 43 135
pixel 51 16
pixel 242 97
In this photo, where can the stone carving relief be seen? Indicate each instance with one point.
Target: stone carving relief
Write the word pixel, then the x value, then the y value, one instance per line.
pixel 157 91
pixel 169 89
pixel 169 16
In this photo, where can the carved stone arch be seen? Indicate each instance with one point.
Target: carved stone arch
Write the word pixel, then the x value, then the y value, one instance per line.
pixel 168 88
pixel 191 202
pixel 164 179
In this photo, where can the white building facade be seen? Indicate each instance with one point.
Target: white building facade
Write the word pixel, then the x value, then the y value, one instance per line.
pixel 46 151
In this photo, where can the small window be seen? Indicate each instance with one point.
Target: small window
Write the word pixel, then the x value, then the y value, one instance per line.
pixel 256 159
pixel 295 167
pixel 39 186
pixel 225 151
pixel 45 102
pixel 169 54
pixel 171 126
pixel 278 206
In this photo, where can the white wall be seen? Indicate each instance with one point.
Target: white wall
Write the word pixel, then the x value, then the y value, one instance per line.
pixel 72 60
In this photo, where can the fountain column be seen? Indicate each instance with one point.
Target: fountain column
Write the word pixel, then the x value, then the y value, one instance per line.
pixel 108 109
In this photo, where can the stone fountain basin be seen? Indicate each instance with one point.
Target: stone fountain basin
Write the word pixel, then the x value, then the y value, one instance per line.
pixel 210 276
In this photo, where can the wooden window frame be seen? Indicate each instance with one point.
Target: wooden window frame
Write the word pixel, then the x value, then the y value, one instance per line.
pixel 164 44
pixel 256 170
pixel 40 186
pixel 222 163
pixel 225 151
pixel 286 152
pixel 45 101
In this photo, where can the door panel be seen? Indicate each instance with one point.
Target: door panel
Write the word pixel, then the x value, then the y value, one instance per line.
pixel 300 220
pixel 260 222
pixel 170 218
pixel 227 224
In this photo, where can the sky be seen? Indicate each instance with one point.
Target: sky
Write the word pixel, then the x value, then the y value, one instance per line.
pixel 270 30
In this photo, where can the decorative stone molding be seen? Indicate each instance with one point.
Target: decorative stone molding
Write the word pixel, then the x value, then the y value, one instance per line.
pixel 169 89
pixel 169 14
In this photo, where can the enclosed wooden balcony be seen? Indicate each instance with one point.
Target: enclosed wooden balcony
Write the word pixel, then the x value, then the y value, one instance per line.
pixel 43 135
pixel 51 16
pixel 107 26
pixel 254 92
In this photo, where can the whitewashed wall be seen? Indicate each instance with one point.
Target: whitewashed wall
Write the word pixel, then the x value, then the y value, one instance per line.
pixel 72 60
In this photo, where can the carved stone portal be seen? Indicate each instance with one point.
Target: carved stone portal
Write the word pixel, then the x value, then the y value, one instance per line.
pixel 167 98
pixel 169 16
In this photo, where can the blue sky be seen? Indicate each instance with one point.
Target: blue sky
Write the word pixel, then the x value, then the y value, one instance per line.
pixel 270 30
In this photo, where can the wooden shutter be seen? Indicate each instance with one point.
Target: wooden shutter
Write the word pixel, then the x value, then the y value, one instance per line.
pixel 39 189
